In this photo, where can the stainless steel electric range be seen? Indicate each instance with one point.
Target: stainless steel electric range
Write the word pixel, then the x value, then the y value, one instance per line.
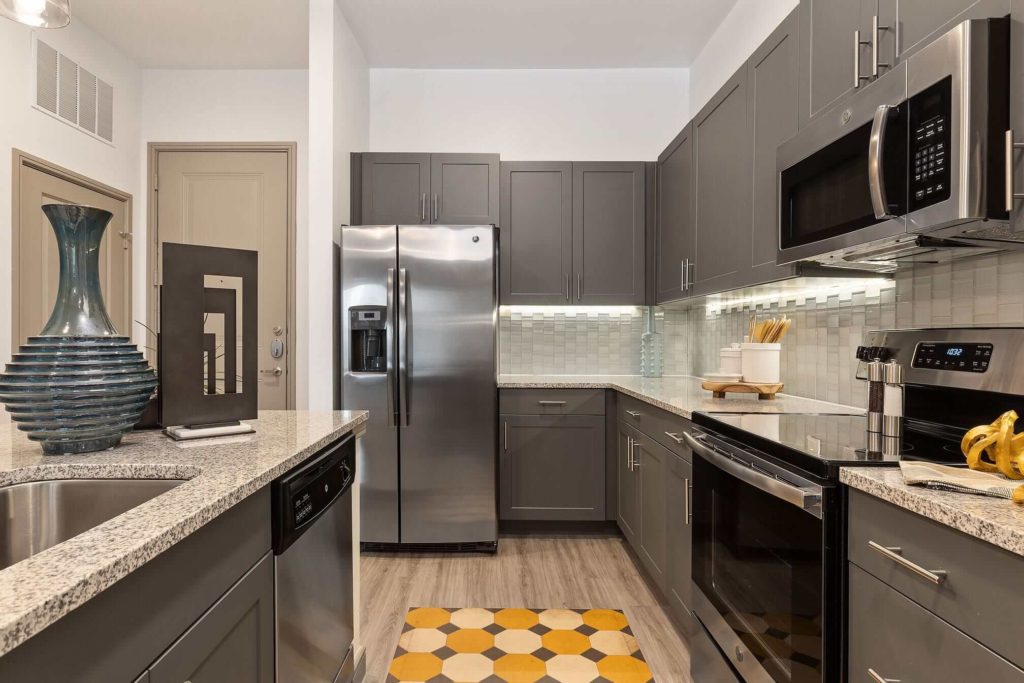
pixel 769 531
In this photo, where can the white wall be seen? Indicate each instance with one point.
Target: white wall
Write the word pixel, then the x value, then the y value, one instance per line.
pixel 746 26
pixel 534 114
pixel 227 105
pixel 30 130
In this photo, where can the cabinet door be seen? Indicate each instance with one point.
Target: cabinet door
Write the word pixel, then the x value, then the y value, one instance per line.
pixel 828 50
pixel 651 461
pixel 395 189
pixel 921 21
pixel 536 232
pixel 464 189
pixel 552 467
pixel 680 536
pixel 722 188
pixel 773 113
pixel 675 234
pixel 628 487
pixel 608 233
pixel 233 642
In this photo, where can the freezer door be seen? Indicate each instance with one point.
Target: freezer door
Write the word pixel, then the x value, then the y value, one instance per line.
pixel 447 392
pixel 368 258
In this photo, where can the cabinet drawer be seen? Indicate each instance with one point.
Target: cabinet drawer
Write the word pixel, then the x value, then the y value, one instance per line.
pixel 551 401
pixel 655 423
pixel 980 589
pixel 898 640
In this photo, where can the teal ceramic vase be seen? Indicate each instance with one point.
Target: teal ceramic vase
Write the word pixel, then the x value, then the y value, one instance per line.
pixel 78 386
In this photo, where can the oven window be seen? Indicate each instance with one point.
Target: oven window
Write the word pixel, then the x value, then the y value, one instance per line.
pixel 759 561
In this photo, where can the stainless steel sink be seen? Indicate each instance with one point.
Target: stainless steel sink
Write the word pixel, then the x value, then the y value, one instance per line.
pixel 40 514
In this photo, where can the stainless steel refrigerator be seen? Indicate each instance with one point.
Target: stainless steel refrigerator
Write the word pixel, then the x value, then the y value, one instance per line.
pixel 416 345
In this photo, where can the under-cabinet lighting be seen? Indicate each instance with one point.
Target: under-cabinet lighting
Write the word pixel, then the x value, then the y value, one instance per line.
pixel 799 293
pixel 574 310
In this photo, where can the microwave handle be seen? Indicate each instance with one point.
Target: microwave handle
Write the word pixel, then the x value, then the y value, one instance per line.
pixel 876 172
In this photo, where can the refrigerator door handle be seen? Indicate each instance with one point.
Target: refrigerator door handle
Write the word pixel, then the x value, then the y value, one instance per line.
pixel 389 334
pixel 403 347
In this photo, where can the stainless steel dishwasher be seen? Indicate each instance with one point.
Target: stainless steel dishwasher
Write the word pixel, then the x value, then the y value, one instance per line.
pixel 312 525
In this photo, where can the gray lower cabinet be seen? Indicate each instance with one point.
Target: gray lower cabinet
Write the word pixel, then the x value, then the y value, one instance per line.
pixel 414 189
pixel 675 221
pixel 553 468
pixel 628 485
pixel 679 485
pixel 721 194
pixel 609 228
pixel 892 638
pixel 651 461
pixel 233 642
pixel 536 232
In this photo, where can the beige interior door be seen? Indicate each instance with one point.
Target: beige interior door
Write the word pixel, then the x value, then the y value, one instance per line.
pixel 237 200
pixel 37 264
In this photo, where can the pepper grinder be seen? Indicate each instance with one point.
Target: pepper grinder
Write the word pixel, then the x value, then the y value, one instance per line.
pixel 876 395
pixel 892 411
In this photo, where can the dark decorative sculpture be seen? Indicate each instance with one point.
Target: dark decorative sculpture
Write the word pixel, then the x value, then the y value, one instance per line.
pixel 78 387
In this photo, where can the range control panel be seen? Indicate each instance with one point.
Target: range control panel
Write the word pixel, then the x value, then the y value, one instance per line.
pixel 966 357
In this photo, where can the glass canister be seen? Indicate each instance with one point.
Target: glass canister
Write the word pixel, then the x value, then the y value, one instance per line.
pixel 652 347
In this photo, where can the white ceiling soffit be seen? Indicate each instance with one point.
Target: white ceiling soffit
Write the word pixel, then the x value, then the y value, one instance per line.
pixel 533 34
pixel 197 34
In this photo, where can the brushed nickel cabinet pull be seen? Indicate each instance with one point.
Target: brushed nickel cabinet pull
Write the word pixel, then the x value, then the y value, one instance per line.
pixel 936 576
pixel 423 207
pixel 633 413
pixel 579 287
pixel 879 679
pixel 875 29
pixel 552 403
pixel 686 501
pixel 675 437
pixel 857 44
pixel 1010 193
pixel 506 435
pixel 629 453
pixel 567 295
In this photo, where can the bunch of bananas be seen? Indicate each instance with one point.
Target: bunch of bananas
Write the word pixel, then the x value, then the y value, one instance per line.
pixel 995 448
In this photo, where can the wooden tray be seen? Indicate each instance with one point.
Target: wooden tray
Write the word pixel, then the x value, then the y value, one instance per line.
pixel 765 392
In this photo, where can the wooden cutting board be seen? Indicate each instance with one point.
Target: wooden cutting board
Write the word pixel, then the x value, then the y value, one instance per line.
pixel 765 392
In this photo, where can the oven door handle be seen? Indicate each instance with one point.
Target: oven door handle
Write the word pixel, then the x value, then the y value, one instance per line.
pixel 876 170
pixel 805 499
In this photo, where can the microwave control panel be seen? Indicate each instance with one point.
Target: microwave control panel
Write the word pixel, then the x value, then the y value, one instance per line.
pixel 967 357
pixel 929 145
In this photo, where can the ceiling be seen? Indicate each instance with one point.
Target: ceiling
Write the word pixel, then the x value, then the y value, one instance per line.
pixel 533 33
pixel 185 34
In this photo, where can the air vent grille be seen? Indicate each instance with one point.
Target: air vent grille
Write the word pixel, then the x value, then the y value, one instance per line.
pixel 75 94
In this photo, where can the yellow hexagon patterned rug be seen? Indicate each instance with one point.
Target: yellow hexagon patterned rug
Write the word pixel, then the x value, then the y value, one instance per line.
pixel 478 645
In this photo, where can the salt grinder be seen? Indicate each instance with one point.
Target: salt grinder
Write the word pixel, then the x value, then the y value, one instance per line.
pixel 892 415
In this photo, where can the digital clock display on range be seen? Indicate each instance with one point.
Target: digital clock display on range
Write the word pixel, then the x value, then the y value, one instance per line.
pixel 973 357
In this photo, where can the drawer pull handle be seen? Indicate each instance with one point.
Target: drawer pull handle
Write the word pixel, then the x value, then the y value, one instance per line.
pixel 675 437
pixel 936 576
pixel 879 679
pixel 633 413
pixel 552 403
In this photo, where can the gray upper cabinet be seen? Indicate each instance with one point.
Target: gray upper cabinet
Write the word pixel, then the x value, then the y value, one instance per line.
pixel 395 189
pixel 464 189
pixel 609 226
pixel 923 20
pixel 553 467
pixel 233 642
pixel 414 189
pixel 676 225
pixel 722 178
pixel 536 234
pixel 679 483
pixel 773 114
pixel 830 52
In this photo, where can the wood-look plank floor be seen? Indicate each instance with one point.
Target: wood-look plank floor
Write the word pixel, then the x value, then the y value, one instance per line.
pixel 528 571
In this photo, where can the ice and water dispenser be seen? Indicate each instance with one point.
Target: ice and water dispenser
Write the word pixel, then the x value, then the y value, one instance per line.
pixel 369 338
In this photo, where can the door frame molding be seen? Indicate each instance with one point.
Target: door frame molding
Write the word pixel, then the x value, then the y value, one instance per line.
pixel 290 149
pixel 21 159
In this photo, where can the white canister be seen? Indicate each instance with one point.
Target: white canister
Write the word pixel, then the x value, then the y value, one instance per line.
pixel 729 362
pixel 761 363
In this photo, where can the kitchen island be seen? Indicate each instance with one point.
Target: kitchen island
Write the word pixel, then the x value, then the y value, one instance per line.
pixel 221 477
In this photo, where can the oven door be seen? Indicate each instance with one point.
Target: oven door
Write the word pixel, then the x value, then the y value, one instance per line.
pixel 843 178
pixel 759 564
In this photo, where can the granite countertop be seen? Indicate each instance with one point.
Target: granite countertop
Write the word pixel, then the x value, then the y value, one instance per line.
pixel 221 472
pixel 681 395
pixel 996 520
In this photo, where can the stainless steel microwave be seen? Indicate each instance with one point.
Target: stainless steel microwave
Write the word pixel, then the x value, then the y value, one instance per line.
pixel 913 167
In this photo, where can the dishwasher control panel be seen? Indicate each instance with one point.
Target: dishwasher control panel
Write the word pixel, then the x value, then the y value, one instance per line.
pixel 303 494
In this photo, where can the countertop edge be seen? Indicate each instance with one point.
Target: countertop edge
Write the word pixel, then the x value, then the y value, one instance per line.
pixel 17 627
pixel 950 511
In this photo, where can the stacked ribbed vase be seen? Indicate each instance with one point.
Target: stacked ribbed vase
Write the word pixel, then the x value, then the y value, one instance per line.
pixel 79 386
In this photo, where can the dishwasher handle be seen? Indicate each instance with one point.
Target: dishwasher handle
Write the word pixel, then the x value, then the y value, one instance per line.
pixel 300 497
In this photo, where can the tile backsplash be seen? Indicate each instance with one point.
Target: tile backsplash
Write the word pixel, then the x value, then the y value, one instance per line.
pixel 829 321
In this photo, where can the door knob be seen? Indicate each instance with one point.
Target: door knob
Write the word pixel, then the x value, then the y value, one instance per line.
pixel 276 372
